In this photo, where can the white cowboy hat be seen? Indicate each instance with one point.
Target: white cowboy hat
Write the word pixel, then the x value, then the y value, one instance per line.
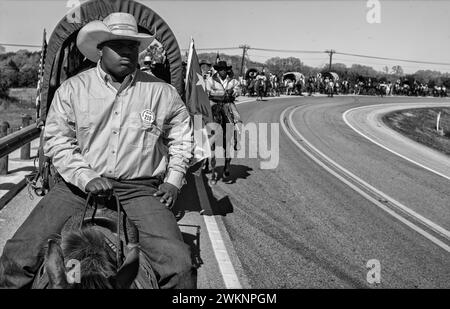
pixel 115 26
pixel 147 59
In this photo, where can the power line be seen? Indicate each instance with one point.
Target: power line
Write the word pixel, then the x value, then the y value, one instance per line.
pixel 214 49
pixel 382 62
pixel 183 49
pixel 376 64
pixel 251 55
pixel 393 59
pixel 289 51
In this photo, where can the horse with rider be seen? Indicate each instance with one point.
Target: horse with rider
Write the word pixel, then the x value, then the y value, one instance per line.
pixel 222 90
pixel 116 136
pixel 260 85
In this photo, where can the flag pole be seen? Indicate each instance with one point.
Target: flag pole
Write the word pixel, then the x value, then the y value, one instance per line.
pixel 191 49
pixel 199 176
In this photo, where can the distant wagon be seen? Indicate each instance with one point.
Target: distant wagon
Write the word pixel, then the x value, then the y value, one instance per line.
pixel 251 73
pixel 293 82
pixel 331 75
pixel 295 76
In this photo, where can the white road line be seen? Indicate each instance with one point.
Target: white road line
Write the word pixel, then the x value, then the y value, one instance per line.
pixel 229 275
pixel 423 220
pixel 267 99
pixel 438 229
pixel 245 101
pixel 344 116
pixel 226 267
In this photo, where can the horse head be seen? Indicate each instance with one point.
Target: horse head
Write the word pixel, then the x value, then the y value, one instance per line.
pixel 97 262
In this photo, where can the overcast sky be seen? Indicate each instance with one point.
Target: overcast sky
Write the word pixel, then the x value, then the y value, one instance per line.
pixel 415 30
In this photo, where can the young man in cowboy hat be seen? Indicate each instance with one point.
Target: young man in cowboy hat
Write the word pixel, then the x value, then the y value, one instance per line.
pixel 109 128
pixel 223 90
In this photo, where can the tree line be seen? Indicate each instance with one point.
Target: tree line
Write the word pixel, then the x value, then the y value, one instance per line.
pixel 353 73
pixel 20 70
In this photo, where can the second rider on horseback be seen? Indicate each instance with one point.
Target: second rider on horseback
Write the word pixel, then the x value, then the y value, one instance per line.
pixel 222 90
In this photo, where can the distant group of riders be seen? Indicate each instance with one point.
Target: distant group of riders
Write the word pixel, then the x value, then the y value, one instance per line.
pixel 262 84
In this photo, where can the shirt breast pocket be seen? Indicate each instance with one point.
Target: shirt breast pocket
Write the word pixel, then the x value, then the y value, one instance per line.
pixel 145 137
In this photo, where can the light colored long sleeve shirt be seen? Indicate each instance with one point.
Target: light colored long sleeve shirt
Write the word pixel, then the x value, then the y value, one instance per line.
pixel 141 131
pixel 216 87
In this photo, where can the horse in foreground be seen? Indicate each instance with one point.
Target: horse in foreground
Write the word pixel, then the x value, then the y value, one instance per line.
pixel 222 116
pixel 95 246
pixel 98 265
pixel 225 121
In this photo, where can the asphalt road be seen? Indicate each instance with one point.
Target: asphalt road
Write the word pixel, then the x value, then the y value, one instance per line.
pixel 298 226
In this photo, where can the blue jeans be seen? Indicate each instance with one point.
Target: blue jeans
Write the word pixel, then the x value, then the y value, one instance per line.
pixel 159 234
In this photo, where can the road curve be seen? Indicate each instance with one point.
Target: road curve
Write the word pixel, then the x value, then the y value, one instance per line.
pixel 367 121
pixel 297 226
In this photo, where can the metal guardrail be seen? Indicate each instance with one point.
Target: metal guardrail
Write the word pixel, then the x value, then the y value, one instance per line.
pixel 10 143
pixel 18 139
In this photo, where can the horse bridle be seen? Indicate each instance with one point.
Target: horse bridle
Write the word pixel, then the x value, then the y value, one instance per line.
pixel 104 223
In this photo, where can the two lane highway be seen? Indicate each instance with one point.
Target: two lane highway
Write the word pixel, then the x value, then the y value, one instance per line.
pixel 298 226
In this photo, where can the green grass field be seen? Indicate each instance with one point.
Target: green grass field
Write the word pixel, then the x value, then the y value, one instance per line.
pixel 12 112
pixel 420 126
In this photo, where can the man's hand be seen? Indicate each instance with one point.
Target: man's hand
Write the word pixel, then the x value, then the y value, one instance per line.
pixel 229 92
pixel 100 186
pixel 168 193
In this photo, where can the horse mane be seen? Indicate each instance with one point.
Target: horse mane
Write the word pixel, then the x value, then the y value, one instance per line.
pixel 97 259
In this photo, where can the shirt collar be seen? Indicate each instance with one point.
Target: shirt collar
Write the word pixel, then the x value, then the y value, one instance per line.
pixel 220 79
pixel 107 78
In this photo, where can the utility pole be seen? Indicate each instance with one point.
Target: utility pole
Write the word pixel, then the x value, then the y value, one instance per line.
pixel 244 52
pixel 330 52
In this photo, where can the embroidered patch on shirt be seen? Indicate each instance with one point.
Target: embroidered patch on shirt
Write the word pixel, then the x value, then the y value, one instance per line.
pixel 148 117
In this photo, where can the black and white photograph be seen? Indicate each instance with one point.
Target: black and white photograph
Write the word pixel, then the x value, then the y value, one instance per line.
pixel 227 151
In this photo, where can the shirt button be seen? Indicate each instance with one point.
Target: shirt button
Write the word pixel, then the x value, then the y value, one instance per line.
pixel 115 132
pixel 113 151
pixel 116 113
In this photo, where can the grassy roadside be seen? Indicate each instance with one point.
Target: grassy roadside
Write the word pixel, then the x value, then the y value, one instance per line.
pixel 12 112
pixel 420 125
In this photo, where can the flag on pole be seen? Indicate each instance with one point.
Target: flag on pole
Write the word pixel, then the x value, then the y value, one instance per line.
pixel 41 75
pixel 197 103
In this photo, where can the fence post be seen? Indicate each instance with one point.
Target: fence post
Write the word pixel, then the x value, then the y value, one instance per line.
pixel 25 150
pixel 4 160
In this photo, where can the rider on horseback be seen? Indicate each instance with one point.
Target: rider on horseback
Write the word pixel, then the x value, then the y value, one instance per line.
pixel 112 128
pixel 311 82
pixel 222 91
pixel 260 86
